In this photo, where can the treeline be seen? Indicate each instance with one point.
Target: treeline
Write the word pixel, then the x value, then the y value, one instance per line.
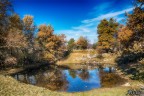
pixel 22 42
pixel 81 44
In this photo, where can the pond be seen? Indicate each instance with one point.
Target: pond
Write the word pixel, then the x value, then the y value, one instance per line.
pixel 69 80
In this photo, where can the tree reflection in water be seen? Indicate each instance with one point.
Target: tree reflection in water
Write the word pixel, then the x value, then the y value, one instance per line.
pixel 84 74
pixel 51 79
pixel 68 80
pixel 109 78
pixel 73 73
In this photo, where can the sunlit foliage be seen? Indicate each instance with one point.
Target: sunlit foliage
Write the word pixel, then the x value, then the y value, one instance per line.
pixel 123 37
pixel 29 28
pixel 53 45
pixel 71 44
pixel 107 30
pixel 82 43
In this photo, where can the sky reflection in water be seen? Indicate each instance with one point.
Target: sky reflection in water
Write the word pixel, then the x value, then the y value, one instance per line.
pixel 67 80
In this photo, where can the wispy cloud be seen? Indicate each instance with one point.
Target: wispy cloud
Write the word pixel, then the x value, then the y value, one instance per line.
pixel 108 15
pixel 88 27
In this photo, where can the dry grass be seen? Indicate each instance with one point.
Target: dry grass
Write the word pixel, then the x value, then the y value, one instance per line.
pixel 76 58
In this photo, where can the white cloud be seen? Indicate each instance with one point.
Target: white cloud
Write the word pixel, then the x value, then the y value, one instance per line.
pixel 81 28
pixel 88 28
pixel 108 15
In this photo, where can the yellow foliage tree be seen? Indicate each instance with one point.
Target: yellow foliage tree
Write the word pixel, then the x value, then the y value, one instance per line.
pixel 124 34
pixel 53 45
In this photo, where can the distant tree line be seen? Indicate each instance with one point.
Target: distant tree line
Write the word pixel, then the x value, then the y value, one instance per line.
pixel 81 44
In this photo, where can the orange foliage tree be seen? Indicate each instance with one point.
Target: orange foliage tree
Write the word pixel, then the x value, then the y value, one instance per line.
pixel 82 43
pixel 124 35
pixel 52 45
pixel 107 30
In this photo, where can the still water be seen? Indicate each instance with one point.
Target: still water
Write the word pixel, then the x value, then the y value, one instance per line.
pixel 68 80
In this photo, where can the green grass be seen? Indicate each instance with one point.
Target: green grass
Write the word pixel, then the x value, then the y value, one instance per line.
pixel 11 87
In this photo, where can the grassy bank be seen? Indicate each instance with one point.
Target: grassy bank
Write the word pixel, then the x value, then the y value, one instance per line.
pixel 87 56
pixel 11 87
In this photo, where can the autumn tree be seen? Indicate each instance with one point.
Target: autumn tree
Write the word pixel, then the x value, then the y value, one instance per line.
pixel 136 20
pixel 11 36
pixel 16 28
pixel 16 22
pixel 71 44
pixel 5 12
pixel 124 35
pixel 82 43
pixel 134 49
pixel 29 28
pixel 94 46
pixel 107 31
pixel 16 40
pixel 136 24
pixel 52 45
pixel 61 45
pixel 19 45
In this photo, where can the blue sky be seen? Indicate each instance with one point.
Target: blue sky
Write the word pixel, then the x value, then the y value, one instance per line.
pixel 74 18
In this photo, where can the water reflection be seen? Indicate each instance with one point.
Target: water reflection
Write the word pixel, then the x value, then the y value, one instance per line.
pixel 70 80
pixel 72 73
pixel 53 80
pixel 84 74
pixel 109 78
